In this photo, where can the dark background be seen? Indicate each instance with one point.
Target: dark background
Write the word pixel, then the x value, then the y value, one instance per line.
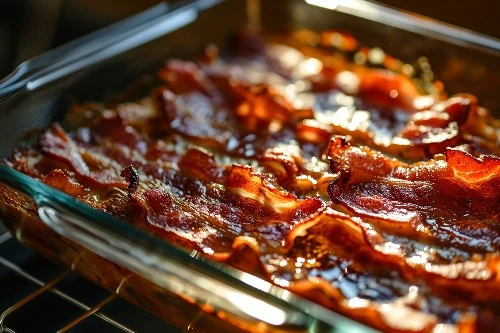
pixel 28 27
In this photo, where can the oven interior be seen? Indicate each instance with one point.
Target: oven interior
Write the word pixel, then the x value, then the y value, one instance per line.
pixel 38 295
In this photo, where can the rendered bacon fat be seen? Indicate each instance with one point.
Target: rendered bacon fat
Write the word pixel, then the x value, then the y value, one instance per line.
pixel 343 183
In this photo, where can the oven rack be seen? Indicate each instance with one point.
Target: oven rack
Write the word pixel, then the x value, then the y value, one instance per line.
pixel 37 295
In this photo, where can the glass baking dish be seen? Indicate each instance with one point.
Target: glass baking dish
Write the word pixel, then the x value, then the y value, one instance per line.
pixel 166 280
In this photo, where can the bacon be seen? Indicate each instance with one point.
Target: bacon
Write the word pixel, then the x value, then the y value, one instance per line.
pixel 338 39
pixel 356 244
pixel 245 204
pixel 90 167
pixel 477 280
pixel 482 124
pixel 262 106
pixel 313 131
pixel 185 76
pixel 164 152
pixel 386 89
pixel 196 116
pixel 281 163
pixel 454 201
pixel 292 63
pixel 112 127
pixel 200 164
pixel 479 174
pixel 137 115
pixel 245 72
pixel 62 180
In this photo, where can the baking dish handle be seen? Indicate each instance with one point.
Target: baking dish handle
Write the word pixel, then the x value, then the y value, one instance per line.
pixel 169 273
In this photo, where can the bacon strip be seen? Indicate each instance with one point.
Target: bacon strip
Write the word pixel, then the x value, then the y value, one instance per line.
pixel 453 201
pixel 90 167
pixel 185 76
pixel 197 117
pixel 212 215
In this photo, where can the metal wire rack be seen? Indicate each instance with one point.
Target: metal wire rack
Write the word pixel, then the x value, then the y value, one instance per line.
pixel 37 295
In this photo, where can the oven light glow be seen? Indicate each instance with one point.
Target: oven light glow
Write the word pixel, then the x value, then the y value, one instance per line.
pixel 257 308
pixel 360 8
pixel 255 282
pixel 329 4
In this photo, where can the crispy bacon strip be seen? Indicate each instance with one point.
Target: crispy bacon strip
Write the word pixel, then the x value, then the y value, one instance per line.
pixel 114 128
pixel 453 201
pixel 361 245
pixel 380 87
pixel 185 76
pixel 92 168
pixel 212 215
pixel 262 107
pixel 62 180
pixel 477 280
pixel 196 116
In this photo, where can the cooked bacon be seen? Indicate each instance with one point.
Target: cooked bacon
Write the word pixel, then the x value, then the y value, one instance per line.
pixel 62 180
pixel 356 244
pixel 211 216
pixel 200 164
pixel 197 117
pixel 338 39
pixel 386 89
pixel 292 63
pixel 481 123
pixel 137 114
pixel 454 201
pixel 281 163
pixel 243 160
pixel 113 128
pixel 261 107
pixel 476 280
pixel 90 167
pixel 328 279
pixel 185 76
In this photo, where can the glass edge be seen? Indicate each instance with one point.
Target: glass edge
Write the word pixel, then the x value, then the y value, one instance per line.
pixel 406 20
